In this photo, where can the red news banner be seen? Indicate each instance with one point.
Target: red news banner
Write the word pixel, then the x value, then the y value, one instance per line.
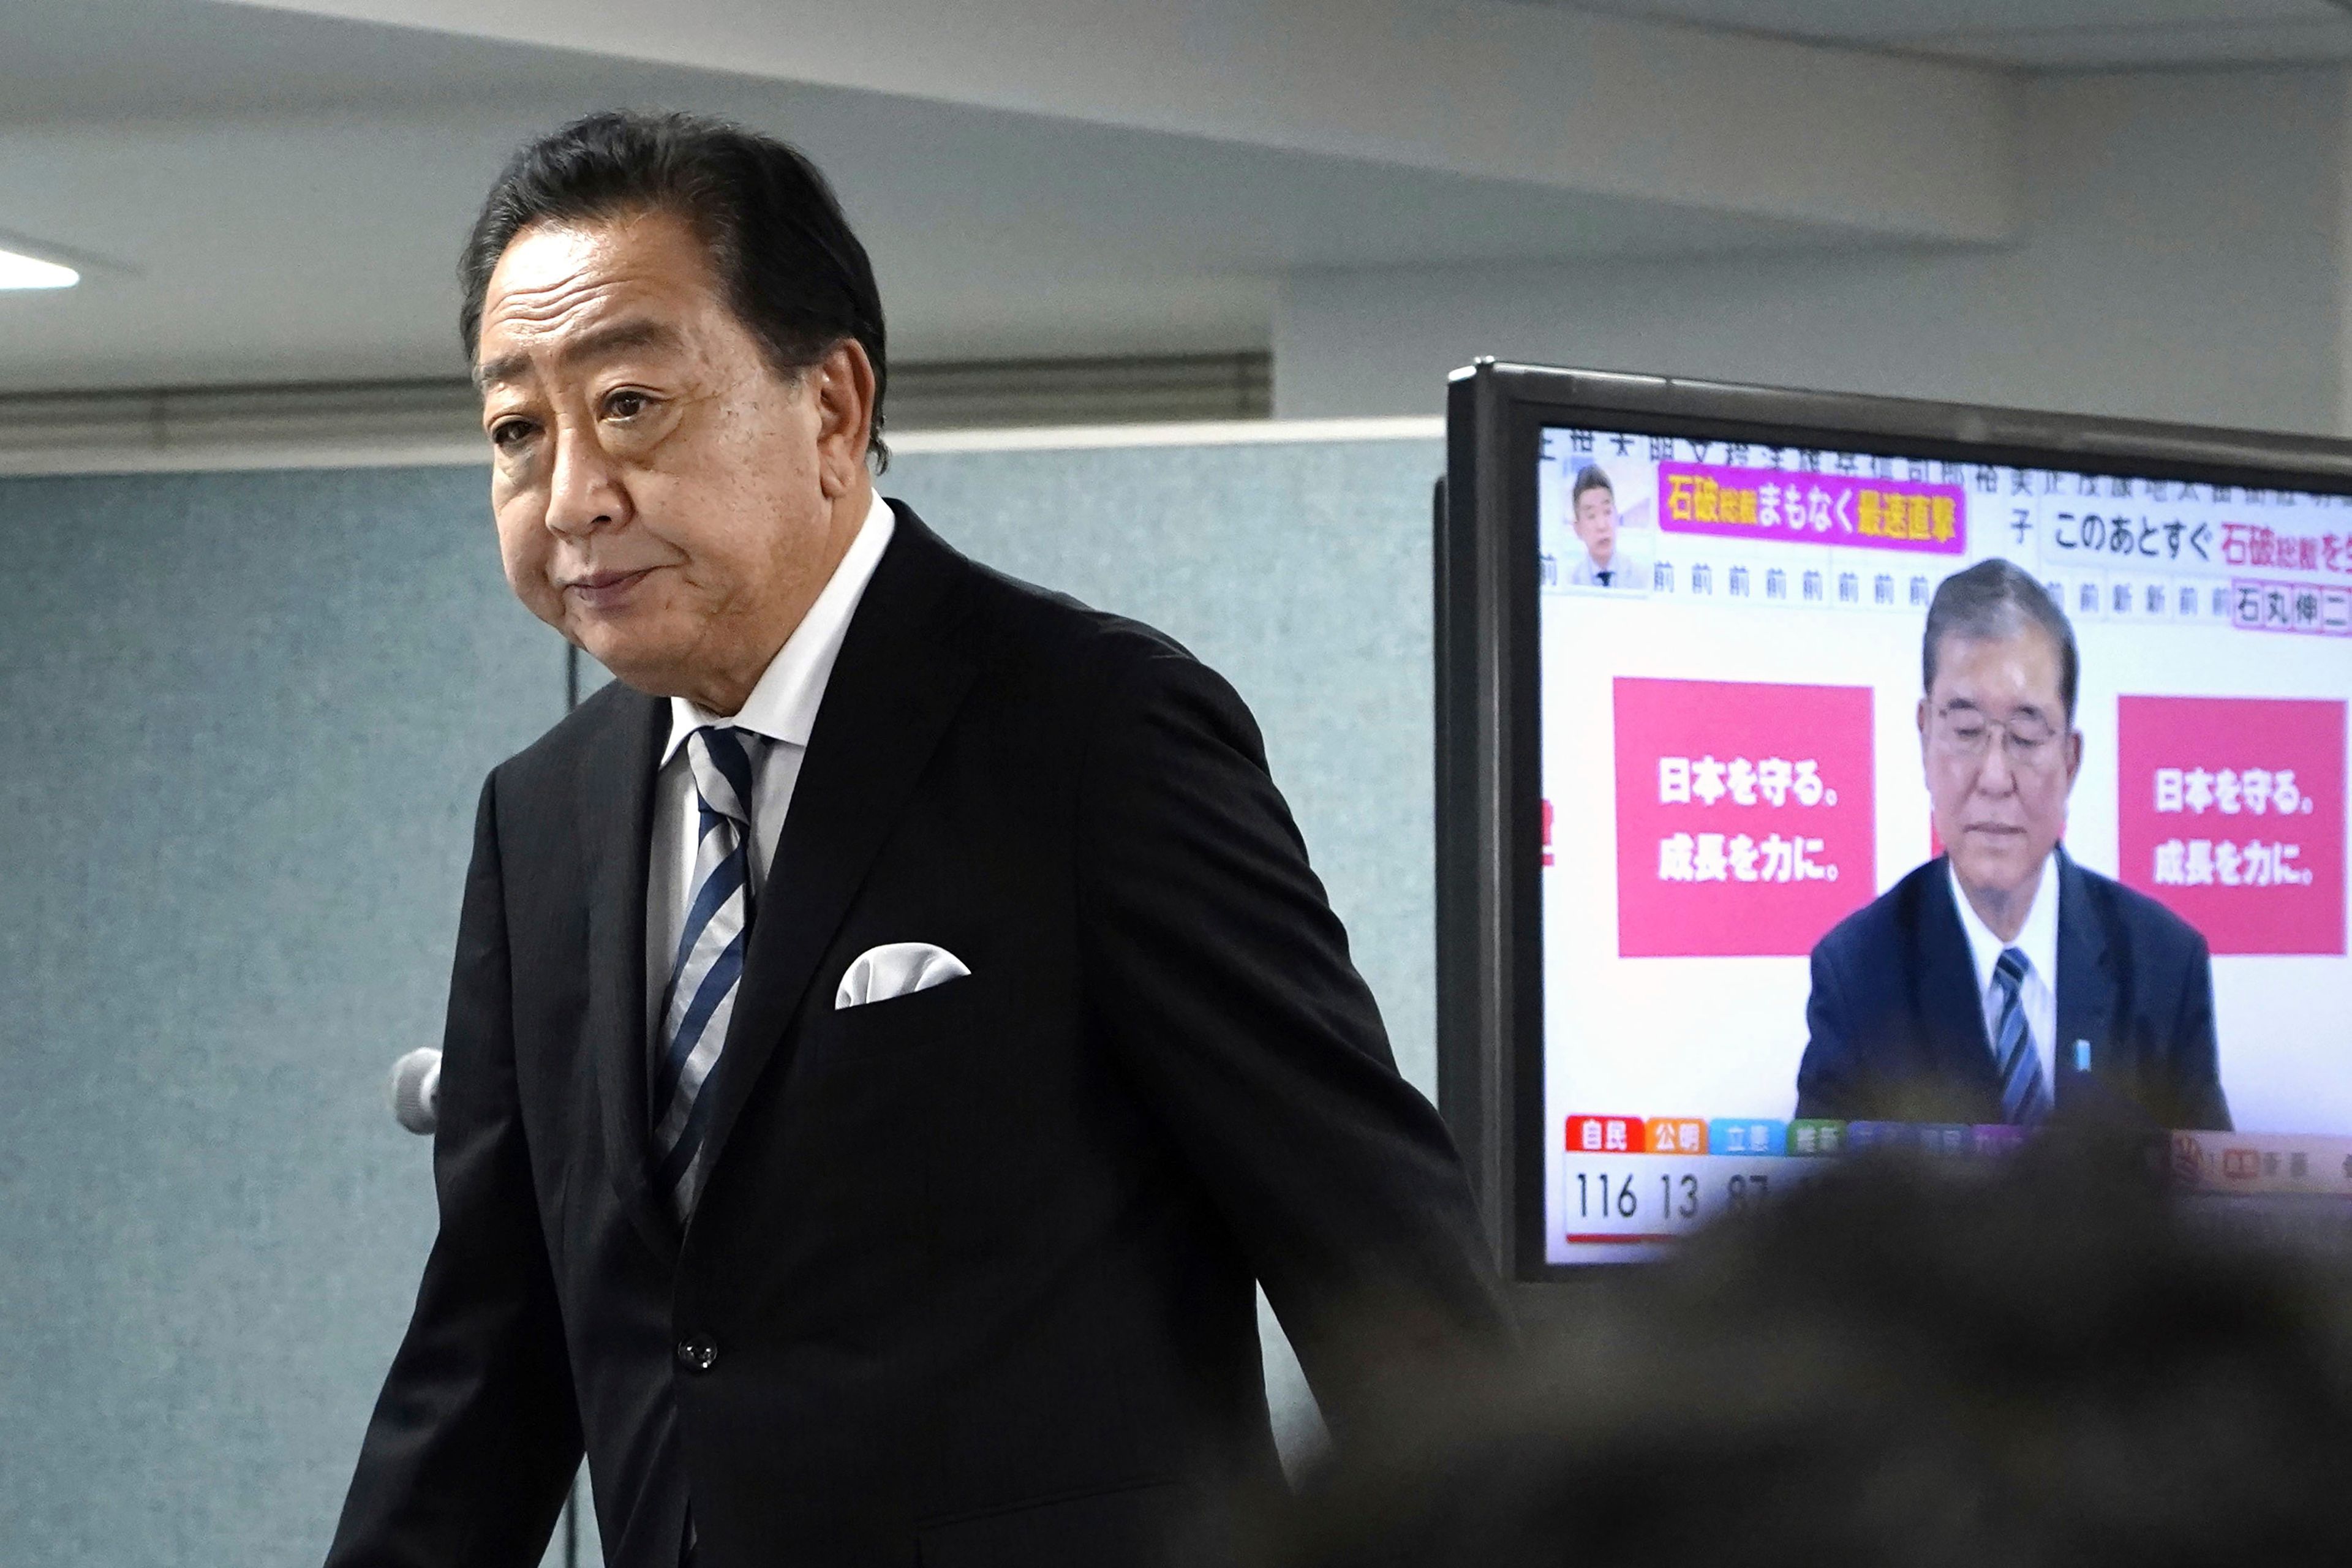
pixel 1746 815
pixel 2232 815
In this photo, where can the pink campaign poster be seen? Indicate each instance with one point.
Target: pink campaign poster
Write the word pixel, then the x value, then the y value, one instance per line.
pixel 2231 813
pixel 1746 820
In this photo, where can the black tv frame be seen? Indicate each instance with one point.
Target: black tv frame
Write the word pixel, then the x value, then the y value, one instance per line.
pixel 1490 1014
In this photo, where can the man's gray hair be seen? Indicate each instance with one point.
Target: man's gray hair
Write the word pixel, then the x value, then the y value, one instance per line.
pixel 1995 599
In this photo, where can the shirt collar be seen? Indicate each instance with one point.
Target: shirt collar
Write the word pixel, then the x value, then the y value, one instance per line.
pixel 2037 937
pixel 784 702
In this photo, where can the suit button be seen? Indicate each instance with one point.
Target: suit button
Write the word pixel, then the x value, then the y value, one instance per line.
pixel 697 1354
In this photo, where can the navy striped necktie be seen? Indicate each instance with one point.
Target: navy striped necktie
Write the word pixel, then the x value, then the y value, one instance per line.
pixel 2024 1096
pixel 709 963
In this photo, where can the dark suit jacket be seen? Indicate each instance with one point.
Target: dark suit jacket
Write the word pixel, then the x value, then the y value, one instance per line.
pixel 1896 1019
pixel 973 1267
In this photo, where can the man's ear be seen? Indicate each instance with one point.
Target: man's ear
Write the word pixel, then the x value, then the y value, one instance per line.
pixel 842 383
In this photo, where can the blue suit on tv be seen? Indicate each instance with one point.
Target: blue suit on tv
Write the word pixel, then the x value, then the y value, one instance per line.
pixel 1897 1022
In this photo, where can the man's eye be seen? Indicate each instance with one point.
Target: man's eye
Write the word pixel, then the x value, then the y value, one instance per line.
pixel 508 433
pixel 625 405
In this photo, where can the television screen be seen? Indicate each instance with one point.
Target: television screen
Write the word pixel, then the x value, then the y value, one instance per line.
pixel 1756 894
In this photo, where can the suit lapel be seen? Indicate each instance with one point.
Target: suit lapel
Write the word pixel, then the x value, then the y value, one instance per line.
pixel 2087 986
pixel 1951 1006
pixel 618 812
pixel 895 684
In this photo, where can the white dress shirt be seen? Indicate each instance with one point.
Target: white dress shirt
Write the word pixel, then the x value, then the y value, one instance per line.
pixel 783 707
pixel 1622 569
pixel 2038 939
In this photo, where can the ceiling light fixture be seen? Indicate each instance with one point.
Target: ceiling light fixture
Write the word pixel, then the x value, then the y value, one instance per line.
pixel 25 273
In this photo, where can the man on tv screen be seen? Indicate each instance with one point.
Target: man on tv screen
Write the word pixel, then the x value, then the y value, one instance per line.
pixel 2001 983
pixel 1593 506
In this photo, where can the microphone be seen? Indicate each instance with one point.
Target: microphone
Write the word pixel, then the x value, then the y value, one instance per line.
pixel 416 1089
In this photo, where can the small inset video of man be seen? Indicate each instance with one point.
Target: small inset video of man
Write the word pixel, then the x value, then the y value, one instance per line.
pixel 1592 502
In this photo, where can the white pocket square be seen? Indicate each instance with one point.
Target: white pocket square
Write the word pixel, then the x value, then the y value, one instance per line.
pixel 896 969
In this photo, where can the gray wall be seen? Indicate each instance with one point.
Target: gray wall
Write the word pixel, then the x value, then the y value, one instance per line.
pixel 245 717
pixel 2183 254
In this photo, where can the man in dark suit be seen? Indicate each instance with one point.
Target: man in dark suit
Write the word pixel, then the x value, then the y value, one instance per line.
pixel 895 1024
pixel 2001 981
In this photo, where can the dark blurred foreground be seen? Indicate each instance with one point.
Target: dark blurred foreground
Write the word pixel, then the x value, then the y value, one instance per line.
pixel 2045 1361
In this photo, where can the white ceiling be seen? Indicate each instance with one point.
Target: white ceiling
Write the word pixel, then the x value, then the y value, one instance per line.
pixel 2046 35
pixel 269 195
pixel 109 60
pixel 255 196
